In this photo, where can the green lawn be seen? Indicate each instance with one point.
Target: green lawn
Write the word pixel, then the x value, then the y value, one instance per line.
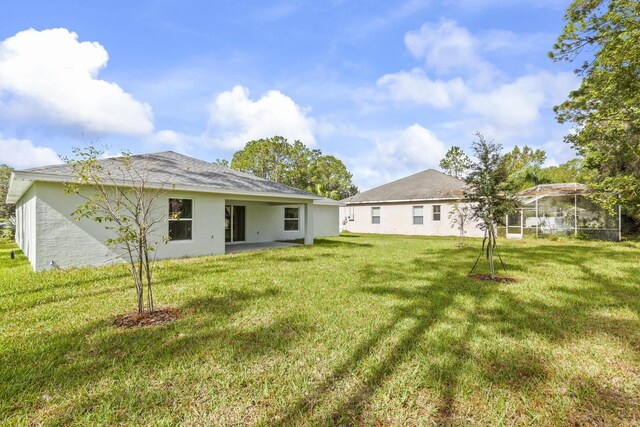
pixel 362 330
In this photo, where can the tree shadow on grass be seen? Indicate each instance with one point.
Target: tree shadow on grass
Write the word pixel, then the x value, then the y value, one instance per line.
pixel 61 363
pixel 490 310
pixel 330 243
pixel 59 278
pixel 341 397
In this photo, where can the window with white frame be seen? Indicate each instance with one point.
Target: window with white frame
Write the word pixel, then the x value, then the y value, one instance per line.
pixel 418 216
pixel 291 219
pixel 180 219
pixel 375 215
pixel 436 212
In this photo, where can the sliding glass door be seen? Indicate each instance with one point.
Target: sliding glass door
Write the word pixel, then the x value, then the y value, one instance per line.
pixel 235 223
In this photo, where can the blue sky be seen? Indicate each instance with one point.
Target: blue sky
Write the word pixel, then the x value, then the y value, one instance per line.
pixel 386 86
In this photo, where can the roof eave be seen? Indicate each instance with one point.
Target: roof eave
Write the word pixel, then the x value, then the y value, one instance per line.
pixel 13 197
pixel 322 202
pixel 422 199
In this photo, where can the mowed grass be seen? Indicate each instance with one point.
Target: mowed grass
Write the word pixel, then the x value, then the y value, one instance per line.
pixel 364 330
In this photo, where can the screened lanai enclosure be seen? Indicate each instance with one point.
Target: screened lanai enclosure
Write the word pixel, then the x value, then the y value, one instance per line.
pixel 562 209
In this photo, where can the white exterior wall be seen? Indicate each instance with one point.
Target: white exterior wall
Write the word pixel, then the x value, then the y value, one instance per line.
pixel 26 225
pixel 62 240
pixel 67 242
pixel 326 220
pixel 46 230
pixel 207 234
pixel 398 219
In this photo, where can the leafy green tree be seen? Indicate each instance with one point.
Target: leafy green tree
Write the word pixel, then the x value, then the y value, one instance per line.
pixel 296 165
pixel 604 37
pixel 518 159
pixel 571 171
pixel 6 210
pixel 490 192
pixel 265 158
pixel 331 179
pixel 529 176
pixel 456 163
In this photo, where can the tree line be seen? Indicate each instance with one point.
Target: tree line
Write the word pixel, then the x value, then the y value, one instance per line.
pixel 523 167
pixel 295 165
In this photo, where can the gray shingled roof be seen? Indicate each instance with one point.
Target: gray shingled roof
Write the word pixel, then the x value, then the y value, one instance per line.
pixel 425 185
pixel 183 171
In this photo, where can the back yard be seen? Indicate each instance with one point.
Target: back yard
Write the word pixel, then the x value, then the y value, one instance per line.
pixel 354 330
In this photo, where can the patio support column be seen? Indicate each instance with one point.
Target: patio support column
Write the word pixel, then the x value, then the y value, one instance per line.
pixel 619 220
pixel 521 222
pixel 575 215
pixel 537 219
pixel 308 223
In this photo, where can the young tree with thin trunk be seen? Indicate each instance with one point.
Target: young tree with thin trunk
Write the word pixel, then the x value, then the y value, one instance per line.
pixel 460 215
pixel 119 193
pixel 489 192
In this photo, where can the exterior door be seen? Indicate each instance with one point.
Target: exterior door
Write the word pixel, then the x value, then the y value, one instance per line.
pixel 234 224
pixel 515 226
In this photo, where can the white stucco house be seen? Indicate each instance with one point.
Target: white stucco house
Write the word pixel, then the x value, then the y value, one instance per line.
pixel 415 205
pixel 218 207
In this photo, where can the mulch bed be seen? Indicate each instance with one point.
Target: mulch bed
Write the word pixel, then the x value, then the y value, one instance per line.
pixel 159 316
pixel 487 277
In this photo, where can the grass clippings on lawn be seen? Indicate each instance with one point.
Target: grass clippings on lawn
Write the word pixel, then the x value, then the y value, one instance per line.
pixel 356 330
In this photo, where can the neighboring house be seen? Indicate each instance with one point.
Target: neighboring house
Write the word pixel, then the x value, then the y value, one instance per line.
pixel 416 205
pixel 219 207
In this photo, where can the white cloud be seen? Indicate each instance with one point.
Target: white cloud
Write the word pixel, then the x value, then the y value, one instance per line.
pixel 236 119
pixel 415 147
pixel 417 87
pixel 517 105
pixel 557 150
pixel 173 140
pixel 501 108
pixel 51 74
pixel 22 154
pixel 505 108
pixel 449 48
pixel 398 154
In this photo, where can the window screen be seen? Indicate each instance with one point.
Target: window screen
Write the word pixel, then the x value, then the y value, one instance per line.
pixel 291 219
pixel 436 212
pixel 180 219
pixel 418 216
pixel 375 215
